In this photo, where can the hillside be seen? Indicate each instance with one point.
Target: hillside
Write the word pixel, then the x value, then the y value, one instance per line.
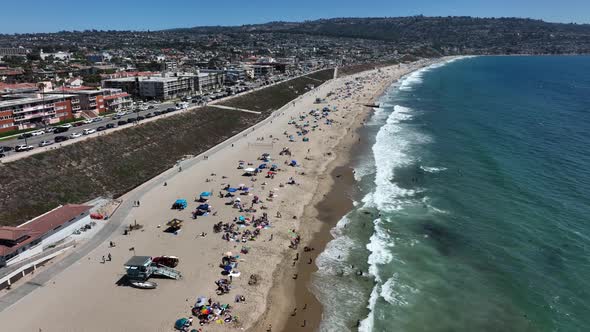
pixel 446 34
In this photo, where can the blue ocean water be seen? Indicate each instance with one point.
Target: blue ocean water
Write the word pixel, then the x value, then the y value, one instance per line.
pixel 475 213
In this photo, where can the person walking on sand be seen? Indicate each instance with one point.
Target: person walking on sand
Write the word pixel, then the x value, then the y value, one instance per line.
pixel 110 257
pixel 103 260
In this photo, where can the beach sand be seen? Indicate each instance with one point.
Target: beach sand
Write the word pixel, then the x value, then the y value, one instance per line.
pixel 86 296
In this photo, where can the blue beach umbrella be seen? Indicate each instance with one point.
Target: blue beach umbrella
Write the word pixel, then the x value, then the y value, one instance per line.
pixel 205 194
pixel 232 190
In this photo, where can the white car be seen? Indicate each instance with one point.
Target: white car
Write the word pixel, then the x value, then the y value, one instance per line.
pixel 45 143
pixel 38 133
pixel 89 131
pixel 67 125
pixel 88 121
pixel 121 113
pixel 75 135
pixel 97 119
pixel 23 147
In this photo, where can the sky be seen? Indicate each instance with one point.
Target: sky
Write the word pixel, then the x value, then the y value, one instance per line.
pixel 57 15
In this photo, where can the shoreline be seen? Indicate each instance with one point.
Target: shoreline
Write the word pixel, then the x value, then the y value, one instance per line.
pixel 332 200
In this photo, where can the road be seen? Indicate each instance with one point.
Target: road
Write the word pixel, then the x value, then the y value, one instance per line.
pixel 34 141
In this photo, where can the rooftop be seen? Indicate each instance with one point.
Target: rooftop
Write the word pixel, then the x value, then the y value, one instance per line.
pixel 21 99
pixel 37 227
pixel 139 261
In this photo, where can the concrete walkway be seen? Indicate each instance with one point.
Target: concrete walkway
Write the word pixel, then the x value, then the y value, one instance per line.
pixel 234 109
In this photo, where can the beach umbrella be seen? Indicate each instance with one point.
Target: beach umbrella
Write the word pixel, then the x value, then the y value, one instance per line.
pixel 262 166
pixel 205 194
pixel 249 170
pixel 203 207
pixel 238 199
pixel 227 268
pixel 180 323
pixel 205 311
pixel 241 218
pixel 232 190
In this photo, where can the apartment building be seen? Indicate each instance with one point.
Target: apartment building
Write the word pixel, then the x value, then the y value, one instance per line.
pixel 29 111
pixel 98 101
pixel 164 88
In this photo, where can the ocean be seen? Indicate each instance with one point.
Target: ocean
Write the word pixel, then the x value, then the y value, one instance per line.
pixel 474 206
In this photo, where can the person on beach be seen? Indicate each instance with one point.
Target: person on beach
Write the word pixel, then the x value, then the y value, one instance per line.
pixel 103 260
pixel 110 257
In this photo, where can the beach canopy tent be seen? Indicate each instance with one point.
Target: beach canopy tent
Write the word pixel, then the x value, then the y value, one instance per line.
pixel 262 166
pixel 181 323
pixel 250 170
pixel 205 194
pixel 180 204
pixel 231 190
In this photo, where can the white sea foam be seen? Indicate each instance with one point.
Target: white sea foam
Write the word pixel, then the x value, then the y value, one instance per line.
pixel 379 245
pixel 390 151
pixel 433 169
pixel 367 323
pixel 395 293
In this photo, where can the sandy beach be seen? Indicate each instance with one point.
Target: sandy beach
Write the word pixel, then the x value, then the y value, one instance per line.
pixel 88 296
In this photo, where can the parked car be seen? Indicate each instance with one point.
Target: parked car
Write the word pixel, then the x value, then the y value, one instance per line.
pixel 6 148
pixel 149 115
pixel 38 133
pixel 61 129
pixel 171 109
pixel 120 113
pixel 88 121
pixel 66 125
pixel 116 117
pixel 78 124
pixel 2 155
pixel 23 147
pixel 122 123
pixel 89 131
pixel 156 113
pixel 101 128
pixel 98 119
pixel 49 130
pixel 75 135
pixel 151 107
pixel 111 125
pixel 24 135
pixel 45 143
pixel 59 139
pixel 139 118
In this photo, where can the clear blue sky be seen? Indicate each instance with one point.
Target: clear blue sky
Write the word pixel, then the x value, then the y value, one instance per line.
pixel 55 15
